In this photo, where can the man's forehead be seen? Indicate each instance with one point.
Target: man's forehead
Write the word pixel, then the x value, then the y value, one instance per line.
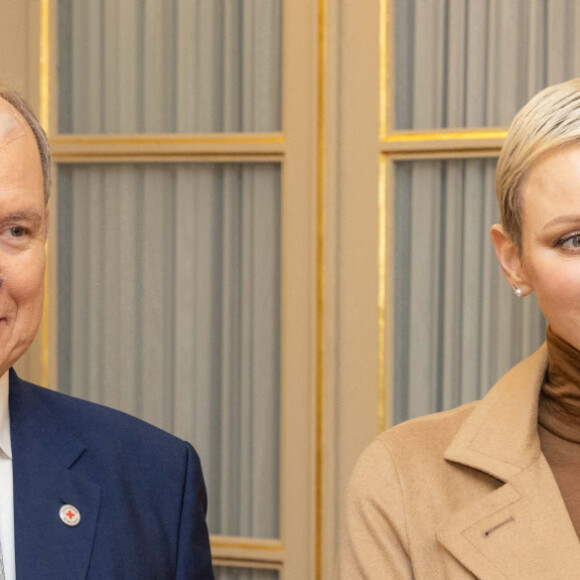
pixel 11 126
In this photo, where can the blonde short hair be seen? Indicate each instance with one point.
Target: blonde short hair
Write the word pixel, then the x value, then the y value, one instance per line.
pixel 550 119
pixel 19 103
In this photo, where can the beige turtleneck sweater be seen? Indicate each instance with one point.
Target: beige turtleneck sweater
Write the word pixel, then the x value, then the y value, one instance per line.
pixel 559 421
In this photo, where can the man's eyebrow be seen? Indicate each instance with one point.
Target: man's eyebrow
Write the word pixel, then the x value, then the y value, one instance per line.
pixel 22 216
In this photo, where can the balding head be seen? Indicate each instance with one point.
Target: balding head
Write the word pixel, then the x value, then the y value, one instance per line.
pixel 23 230
pixel 15 114
pixel 8 127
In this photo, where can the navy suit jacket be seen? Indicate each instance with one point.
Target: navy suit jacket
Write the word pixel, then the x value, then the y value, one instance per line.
pixel 139 490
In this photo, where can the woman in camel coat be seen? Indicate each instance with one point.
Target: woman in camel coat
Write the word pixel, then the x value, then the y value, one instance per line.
pixel 488 490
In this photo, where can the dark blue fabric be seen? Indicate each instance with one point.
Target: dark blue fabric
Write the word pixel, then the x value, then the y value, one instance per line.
pixel 139 490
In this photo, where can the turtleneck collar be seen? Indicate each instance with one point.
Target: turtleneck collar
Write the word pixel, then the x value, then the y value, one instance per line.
pixel 559 408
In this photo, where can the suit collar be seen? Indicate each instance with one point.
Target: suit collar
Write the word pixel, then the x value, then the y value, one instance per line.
pixel 521 530
pixel 46 476
pixel 37 428
pixel 5 444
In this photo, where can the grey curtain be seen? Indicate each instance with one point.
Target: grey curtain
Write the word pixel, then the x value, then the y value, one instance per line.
pixel 169 309
pixel 471 63
pixel 458 327
pixel 163 66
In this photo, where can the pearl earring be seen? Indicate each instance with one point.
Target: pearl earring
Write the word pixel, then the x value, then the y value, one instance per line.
pixel 517 291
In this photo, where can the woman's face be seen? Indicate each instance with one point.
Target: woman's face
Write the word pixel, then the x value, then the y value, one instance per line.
pixel 549 264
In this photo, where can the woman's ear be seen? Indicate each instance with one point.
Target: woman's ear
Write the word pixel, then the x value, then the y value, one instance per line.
pixel 510 260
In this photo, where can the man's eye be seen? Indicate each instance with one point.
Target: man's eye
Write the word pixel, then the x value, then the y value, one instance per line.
pixel 17 231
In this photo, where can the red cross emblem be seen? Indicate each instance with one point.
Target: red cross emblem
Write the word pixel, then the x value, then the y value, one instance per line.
pixel 69 515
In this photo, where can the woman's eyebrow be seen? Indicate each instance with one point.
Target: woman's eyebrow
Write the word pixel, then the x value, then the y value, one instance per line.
pixel 562 220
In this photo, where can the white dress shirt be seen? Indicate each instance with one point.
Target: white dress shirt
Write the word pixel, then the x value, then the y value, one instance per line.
pixel 6 487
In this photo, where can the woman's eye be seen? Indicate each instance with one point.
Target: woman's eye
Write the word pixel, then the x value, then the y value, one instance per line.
pixel 572 242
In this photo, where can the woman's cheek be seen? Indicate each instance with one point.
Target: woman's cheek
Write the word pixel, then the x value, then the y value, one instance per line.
pixel 557 291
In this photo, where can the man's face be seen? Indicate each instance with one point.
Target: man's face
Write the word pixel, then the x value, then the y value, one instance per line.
pixel 23 227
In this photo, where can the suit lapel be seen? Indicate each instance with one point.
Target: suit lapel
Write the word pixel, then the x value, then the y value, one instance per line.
pixel 44 454
pixel 522 530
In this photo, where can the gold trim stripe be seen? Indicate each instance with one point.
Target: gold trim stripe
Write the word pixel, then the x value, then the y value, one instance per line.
pixel 215 543
pixel 166 139
pixel 219 562
pixel 467 134
pixel 384 69
pixel 249 551
pixel 229 157
pixel 44 80
pixel 382 295
pixel 320 284
pixel 163 145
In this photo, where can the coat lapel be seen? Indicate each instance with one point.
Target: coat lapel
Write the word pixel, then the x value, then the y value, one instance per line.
pixel 522 530
pixel 44 454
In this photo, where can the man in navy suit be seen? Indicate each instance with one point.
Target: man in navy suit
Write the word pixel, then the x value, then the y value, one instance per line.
pixel 85 491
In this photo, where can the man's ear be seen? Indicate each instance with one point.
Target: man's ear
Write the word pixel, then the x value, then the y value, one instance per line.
pixel 509 259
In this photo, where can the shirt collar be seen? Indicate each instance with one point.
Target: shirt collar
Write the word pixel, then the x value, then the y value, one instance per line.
pixel 5 442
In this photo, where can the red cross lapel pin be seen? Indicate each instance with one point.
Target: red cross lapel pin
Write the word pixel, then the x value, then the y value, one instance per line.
pixel 69 515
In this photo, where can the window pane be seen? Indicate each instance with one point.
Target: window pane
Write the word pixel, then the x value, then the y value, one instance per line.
pixel 169 309
pixel 231 573
pixel 458 328
pixel 474 63
pixel 164 66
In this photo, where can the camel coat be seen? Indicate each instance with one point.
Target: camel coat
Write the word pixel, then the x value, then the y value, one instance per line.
pixel 460 495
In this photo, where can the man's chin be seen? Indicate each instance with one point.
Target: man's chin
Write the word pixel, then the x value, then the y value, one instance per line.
pixel 10 356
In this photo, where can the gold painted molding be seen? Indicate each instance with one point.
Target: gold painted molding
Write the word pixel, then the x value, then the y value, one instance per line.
pixel 170 158
pixel 444 141
pixel 88 146
pixel 384 69
pixel 236 563
pixel 382 296
pixel 245 543
pixel 44 69
pixel 113 139
pixel 247 551
pixel 445 135
pixel 320 283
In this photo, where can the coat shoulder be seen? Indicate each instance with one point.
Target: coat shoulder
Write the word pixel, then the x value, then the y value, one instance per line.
pixel 403 454
pixel 411 456
pixel 429 434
